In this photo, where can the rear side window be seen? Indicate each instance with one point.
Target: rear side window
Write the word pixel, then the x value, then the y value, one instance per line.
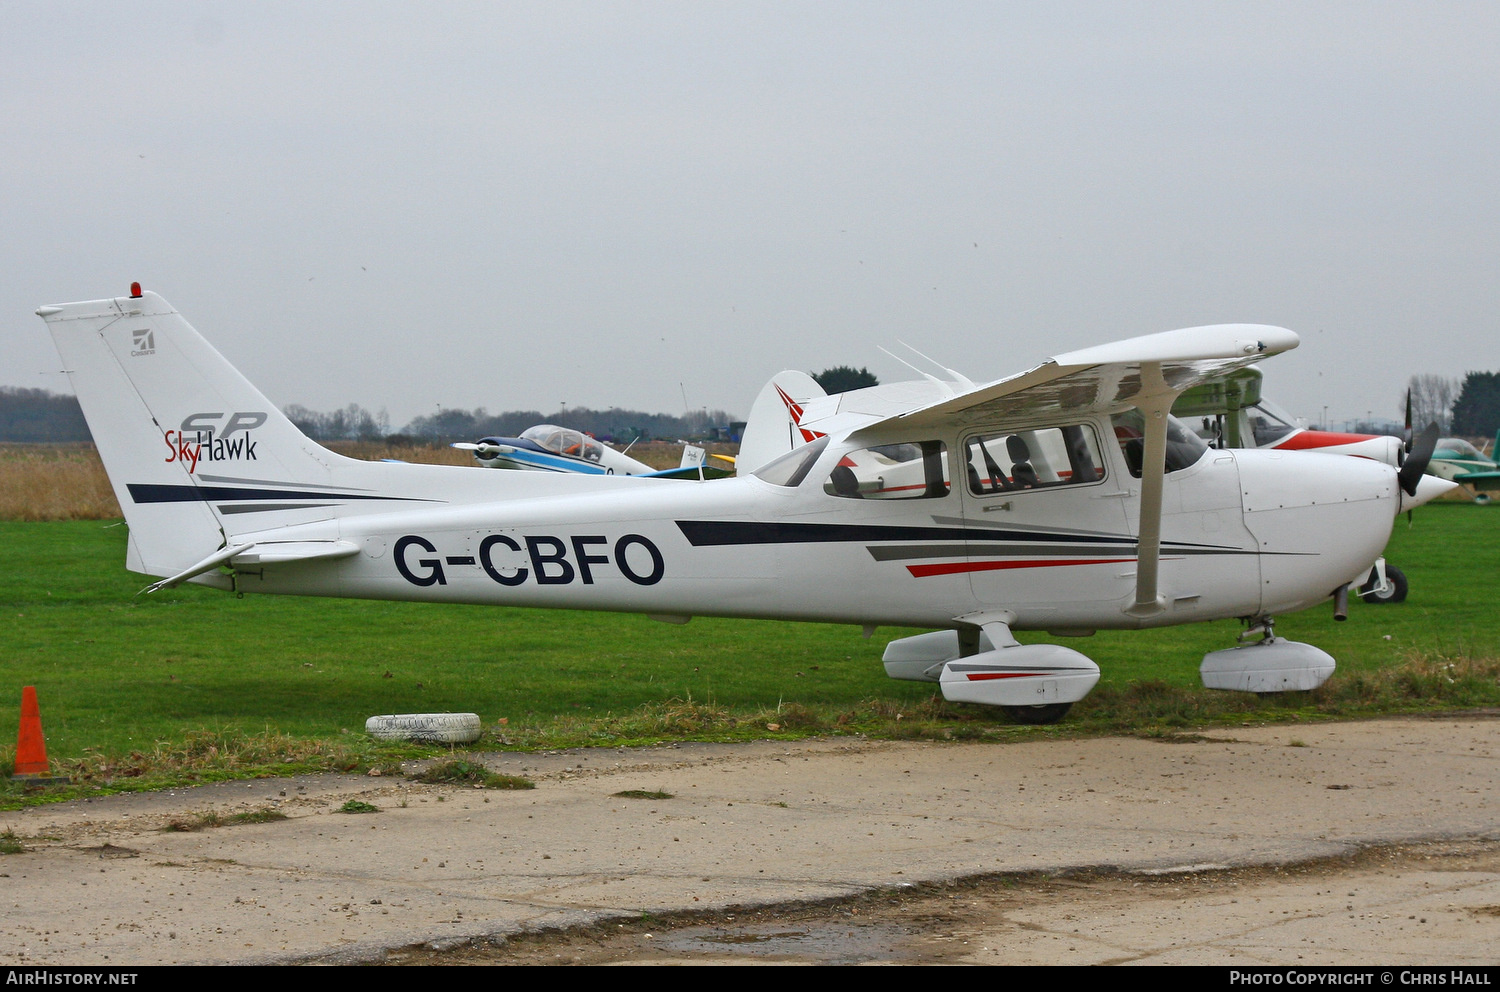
pixel 913 470
pixel 791 468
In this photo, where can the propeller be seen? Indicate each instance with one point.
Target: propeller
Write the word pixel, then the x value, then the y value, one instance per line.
pixel 1405 448
pixel 484 449
pixel 1417 457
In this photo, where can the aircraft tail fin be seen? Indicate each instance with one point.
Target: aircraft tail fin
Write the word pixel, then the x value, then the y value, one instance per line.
pixel 188 443
pixel 774 426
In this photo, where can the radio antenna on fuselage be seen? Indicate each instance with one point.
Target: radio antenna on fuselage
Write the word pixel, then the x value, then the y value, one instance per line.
pixel 947 387
pixel 958 377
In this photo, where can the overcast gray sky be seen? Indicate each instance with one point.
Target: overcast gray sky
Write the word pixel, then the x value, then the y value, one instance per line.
pixel 517 205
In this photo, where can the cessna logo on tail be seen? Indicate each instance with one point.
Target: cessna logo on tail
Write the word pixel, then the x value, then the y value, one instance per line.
pixel 142 342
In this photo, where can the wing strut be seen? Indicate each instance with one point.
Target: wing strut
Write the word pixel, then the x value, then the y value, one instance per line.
pixel 1155 403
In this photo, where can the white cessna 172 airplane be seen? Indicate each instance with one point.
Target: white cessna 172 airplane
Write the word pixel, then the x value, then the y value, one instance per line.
pixel 1063 499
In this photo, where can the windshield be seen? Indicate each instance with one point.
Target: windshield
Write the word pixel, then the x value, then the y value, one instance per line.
pixel 1184 448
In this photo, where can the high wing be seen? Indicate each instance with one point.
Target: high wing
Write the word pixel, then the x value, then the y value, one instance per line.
pixel 1107 378
pixel 1135 372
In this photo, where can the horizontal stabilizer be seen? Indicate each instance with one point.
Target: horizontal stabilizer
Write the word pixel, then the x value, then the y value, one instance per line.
pixel 267 553
pixel 691 472
pixel 1479 480
pixel 210 563
pixel 283 552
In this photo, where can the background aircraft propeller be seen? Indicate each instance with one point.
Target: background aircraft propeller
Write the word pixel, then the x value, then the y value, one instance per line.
pixel 482 448
pixel 1417 458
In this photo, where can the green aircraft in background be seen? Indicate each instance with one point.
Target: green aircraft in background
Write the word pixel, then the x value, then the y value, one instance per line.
pixel 1459 461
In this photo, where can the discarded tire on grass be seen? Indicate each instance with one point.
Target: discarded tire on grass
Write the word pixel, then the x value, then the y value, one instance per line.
pixel 425 728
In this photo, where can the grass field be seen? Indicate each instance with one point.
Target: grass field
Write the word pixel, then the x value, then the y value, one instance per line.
pixel 194 683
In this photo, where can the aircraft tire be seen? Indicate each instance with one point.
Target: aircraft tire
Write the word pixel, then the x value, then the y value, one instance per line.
pixel 1036 716
pixel 425 728
pixel 1396 593
pixel 1482 499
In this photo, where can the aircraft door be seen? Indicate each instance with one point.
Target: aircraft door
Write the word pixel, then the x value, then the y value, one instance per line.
pixel 1209 559
pixel 1045 524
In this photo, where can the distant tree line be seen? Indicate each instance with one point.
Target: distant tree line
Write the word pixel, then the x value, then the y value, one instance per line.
pixel 1476 412
pixel 1468 407
pixel 843 378
pixel 1430 399
pixel 614 424
pixel 37 416
pixel 352 423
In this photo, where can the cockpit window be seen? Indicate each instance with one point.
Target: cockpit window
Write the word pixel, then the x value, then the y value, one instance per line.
pixel 1184 448
pixel 891 471
pixel 1457 447
pixel 1269 423
pixel 1033 459
pixel 791 468
pixel 565 441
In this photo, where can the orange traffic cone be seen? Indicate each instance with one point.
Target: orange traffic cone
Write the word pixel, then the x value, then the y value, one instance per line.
pixel 31 748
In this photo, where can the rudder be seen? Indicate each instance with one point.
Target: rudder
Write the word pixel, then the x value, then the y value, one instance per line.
pixel 773 428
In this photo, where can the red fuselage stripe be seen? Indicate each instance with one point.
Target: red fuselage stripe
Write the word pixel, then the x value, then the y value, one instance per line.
pixel 987 676
pixel 1312 440
pixel 953 568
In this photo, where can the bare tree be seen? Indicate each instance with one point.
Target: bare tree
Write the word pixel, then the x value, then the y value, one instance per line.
pixel 1432 399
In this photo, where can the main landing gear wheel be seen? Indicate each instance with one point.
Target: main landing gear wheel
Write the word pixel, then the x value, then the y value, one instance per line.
pixel 1035 716
pixel 1395 594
